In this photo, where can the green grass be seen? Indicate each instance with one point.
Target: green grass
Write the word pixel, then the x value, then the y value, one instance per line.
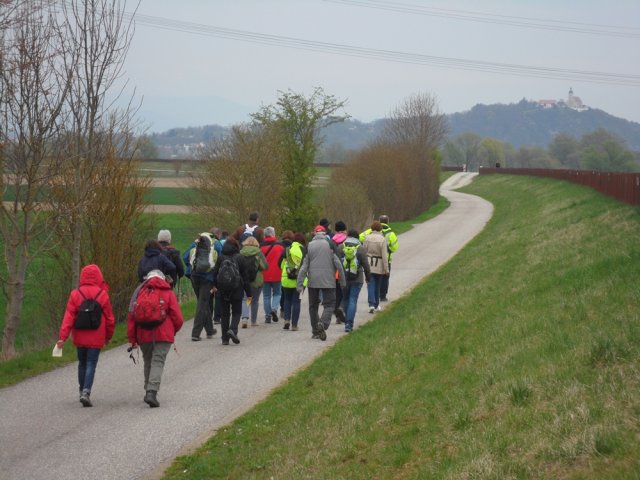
pixel 518 359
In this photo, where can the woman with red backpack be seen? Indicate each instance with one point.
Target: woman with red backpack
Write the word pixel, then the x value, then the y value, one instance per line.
pixel 153 320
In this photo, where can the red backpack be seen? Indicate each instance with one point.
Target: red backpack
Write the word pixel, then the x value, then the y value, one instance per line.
pixel 149 309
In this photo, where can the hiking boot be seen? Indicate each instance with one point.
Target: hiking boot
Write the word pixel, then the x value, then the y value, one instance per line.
pixel 339 316
pixel 294 328
pixel 225 342
pixel 244 322
pixel 378 308
pixel 372 309
pixel 151 400
pixel 286 325
pixel 85 400
pixel 315 336
pixel 195 339
pixel 267 319
pixel 384 299
pixel 274 316
pixel 209 337
pixel 322 335
pixel 234 338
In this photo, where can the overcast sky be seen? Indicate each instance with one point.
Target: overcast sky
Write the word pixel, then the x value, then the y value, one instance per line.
pixel 179 51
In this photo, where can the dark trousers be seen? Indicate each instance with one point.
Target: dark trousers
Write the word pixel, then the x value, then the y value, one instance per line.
pixel 202 319
pixel 384 284
pixel 291 305
pixel 328 305
pixel 231 311
pixel 338 295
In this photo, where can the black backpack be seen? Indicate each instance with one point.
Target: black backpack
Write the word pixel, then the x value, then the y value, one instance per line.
pixel 251 267
pixel 90 313
pixel 228 279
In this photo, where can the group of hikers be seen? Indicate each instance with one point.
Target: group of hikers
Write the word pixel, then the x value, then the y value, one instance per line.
pixel 229 273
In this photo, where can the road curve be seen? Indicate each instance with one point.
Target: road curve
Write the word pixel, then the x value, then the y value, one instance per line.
pixel 45 433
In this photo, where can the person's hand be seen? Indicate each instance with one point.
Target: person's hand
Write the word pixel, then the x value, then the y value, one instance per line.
pixel 59 343
pixel 214 290
pixel 248 300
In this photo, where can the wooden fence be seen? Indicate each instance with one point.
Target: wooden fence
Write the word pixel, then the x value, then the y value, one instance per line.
pixel 622 186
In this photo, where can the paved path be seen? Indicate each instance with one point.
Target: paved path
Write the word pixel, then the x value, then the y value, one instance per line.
pixel 45 433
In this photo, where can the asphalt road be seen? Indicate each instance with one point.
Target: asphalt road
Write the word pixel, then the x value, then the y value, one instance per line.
pixel 45 433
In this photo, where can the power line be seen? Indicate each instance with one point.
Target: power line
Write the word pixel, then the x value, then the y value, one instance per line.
pixel 479 17
pixel 389 55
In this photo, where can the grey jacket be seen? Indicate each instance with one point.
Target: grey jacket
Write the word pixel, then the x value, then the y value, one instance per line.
pixel 364 271
pixel 320 265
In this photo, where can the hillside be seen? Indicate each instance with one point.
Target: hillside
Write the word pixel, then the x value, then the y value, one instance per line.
pixel 526 123
pixel 521 124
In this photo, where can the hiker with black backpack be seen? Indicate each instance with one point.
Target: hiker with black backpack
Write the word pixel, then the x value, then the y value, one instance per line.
pixel 89 318
pixel 153 320
pixel 231 282
pixel 173 254
pixel 200 258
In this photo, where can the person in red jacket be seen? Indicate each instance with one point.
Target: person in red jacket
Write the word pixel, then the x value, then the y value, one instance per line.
pixel 271 288
pixel 88 342
pixel 156 342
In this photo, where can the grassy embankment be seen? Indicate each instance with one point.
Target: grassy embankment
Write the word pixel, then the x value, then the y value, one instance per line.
pixel 517 359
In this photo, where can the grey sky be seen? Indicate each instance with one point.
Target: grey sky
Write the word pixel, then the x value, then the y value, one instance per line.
pixel 164 64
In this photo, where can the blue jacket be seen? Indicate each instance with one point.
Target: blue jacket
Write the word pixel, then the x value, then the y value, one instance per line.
pixel 217 246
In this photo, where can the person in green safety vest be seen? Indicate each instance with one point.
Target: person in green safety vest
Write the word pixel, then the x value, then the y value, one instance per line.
pixel 392 246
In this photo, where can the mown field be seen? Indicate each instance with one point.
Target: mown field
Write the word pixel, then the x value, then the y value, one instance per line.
pixel 519 359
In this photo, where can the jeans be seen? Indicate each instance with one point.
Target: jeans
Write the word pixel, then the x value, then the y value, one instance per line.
pixel 328 306
pixel 271 302
pixel 291 305
pixel 231 310
pixel 202 319
pixel 373 289
pixel 350 295
pixel 87 363
pixel 255 303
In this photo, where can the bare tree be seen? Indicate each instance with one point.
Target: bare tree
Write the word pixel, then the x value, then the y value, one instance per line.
pixel 239 174
pixel 101 33
pixel 33 88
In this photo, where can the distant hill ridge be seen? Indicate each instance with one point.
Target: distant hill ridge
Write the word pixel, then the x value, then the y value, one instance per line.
pixel 526 123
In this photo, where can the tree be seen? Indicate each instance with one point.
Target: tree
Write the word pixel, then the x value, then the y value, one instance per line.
pixel 100 37
pixel 239 174
pixel 608 157
pixel 565 149
pixel 33 88
pixel 491 152
pixel 469 145
pixel 297 120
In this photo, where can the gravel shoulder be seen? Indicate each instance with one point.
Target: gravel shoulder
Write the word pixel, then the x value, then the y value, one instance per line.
pixel 46 433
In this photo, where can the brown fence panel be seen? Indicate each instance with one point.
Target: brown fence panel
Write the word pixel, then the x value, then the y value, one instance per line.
pixel 622 186
pixel 452 168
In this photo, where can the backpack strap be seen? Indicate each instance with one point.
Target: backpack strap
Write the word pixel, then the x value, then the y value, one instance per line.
pixel 84 296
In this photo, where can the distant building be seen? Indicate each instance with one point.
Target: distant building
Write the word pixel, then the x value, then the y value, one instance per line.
pixel 547 103
pixel 573 102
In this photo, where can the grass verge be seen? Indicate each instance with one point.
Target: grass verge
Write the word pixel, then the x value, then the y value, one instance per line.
pixel 517 359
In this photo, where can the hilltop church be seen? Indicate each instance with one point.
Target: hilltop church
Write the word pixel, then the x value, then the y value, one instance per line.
pixel 573 102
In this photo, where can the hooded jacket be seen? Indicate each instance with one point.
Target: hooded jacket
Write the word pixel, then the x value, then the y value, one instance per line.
pixel 153 259
pixel 377 253
pixel 272 251
pixel 91 284
pixel 251 253
pixel 165 332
